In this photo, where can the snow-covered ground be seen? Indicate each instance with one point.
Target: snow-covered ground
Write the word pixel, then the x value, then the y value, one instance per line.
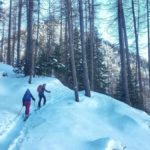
pixel 96 123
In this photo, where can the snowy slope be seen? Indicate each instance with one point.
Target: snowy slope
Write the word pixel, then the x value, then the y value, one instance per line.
pixel 96 123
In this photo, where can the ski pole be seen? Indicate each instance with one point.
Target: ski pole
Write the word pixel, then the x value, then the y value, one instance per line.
pixel 20 111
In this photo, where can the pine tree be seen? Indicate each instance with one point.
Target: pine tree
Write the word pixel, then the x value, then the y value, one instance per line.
pixel 70 32
pixel 29 47
pixel 84 61
pixel 137 56
pixel 123 49
pixel 78 58
pixel 133 90
pixel 100 70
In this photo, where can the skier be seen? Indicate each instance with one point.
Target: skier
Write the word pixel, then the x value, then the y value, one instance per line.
pixel 27 101
pixel 40 90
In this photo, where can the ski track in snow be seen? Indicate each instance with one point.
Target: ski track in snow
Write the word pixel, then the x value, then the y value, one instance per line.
pixel 14 133
pixel 9 135
pixel 15 130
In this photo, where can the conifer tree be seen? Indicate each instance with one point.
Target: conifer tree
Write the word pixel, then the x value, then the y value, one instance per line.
pixel 100 70
pixel 78 58
pixel 84 61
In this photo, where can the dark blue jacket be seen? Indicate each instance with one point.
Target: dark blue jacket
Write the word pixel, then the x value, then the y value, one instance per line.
pixel 27 96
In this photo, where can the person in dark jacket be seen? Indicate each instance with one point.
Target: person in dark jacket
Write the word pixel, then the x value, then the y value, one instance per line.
pixel 41 95
pixel 27 101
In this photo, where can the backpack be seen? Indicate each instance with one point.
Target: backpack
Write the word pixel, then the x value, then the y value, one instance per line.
pixel 39 88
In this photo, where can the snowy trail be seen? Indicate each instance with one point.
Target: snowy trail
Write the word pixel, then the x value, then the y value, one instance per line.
pixel 18 132
pixel 15 125
pixel 96 123
pixel 7 138
pixel 13 139
pixel 16 129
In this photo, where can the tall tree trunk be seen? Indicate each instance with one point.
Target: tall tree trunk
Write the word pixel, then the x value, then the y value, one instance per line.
pixel 91 18
pixel 29 53
pixel 14 40
pixel 53 28
pixel 138 57
pixel 84 61
pixel 127 56
pixel 86 18
pixel 61 24
pixel 19 31
pixel 49 30
pixel 66 50
pixel 70 30
pixel 122 53
pixel 138 30
pixel 2 42
pixel 148 36
pixel 9 35
pixel 37 37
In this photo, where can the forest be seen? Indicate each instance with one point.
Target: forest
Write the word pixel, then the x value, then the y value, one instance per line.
pixel 89 45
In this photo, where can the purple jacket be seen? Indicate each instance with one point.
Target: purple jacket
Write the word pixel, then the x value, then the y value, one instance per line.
pixel 41 93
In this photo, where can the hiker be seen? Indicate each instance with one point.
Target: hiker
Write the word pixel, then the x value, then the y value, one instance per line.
pixel 27 101
pixel 40 90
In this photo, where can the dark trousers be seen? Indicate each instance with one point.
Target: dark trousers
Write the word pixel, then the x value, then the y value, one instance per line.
pixel 40 98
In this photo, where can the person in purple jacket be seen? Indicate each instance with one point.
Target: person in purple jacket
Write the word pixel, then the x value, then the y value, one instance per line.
pixel 26 100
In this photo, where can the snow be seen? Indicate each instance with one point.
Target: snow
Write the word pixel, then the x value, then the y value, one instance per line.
pixel 96 123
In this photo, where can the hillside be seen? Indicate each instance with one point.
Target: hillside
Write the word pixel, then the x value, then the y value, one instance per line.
pixel 96 123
